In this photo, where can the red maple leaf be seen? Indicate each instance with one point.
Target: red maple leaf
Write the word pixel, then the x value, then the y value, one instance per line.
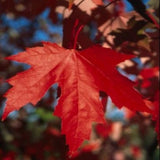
pixel 81 75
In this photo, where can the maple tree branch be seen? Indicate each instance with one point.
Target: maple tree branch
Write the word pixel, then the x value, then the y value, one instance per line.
pixel 111 3
pixel 76 6
pixel 80 2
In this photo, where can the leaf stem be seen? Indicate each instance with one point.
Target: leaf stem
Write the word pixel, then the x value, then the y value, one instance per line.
pixel 111 3
pixel 76 37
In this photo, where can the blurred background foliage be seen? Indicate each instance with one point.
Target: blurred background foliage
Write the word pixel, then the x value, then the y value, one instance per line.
pixel 33 133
